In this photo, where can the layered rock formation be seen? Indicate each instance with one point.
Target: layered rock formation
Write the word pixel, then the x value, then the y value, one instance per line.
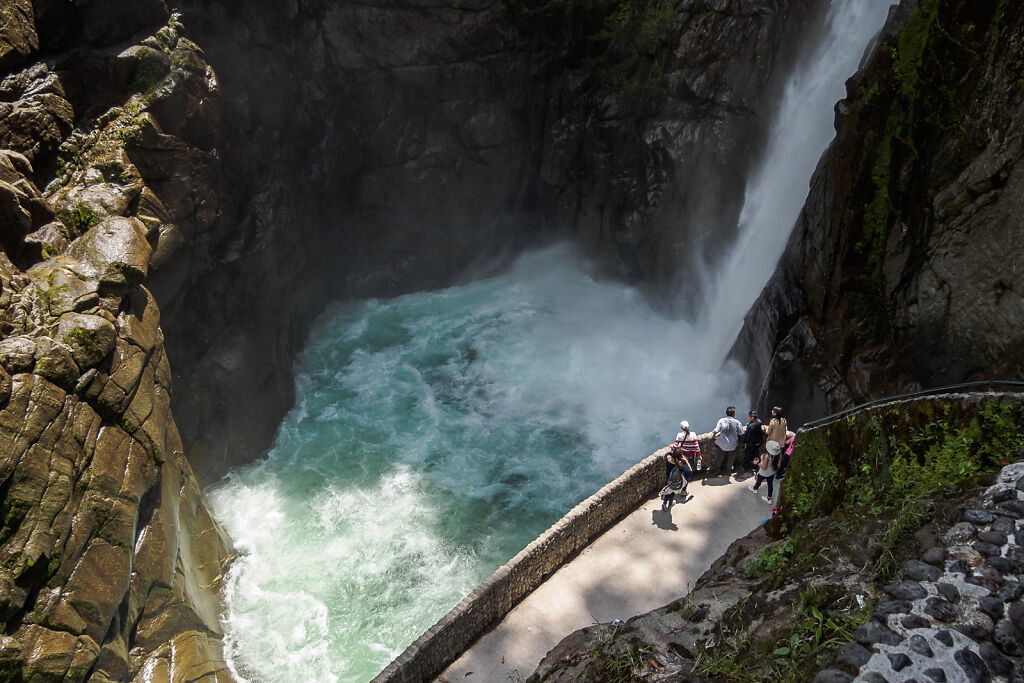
pixel 420 139
pixel 901 272
pixel 110 562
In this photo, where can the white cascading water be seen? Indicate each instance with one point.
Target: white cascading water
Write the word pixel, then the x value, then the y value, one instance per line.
pixel 802 131
pixel 436 434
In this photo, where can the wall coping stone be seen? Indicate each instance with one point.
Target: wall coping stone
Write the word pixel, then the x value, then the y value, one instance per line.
pixel 496 596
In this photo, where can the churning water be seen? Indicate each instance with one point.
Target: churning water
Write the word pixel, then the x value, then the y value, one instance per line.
pixel 436 434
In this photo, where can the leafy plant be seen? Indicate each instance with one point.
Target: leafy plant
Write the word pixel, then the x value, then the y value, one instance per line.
pixel 79 217
pixel 814 639
pixel 770 560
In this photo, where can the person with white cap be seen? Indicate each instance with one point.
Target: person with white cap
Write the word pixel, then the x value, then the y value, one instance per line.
pixel 766 469
pixel 687 444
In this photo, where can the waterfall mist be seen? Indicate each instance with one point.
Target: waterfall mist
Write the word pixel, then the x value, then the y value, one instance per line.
pixel 435 434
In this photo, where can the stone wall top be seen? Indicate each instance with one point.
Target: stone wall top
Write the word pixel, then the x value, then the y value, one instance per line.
pixel 487 605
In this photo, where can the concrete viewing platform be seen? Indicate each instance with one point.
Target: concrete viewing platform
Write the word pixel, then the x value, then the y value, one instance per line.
pixel 648 559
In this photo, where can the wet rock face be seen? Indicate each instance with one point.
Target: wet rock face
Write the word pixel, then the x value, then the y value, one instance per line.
pixel 457 131
pixel 375 148
pixel 109 560
pixel 892 279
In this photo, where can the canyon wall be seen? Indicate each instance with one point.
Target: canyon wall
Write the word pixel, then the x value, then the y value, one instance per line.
pixel 110 562
pixel 174 218
pixel 169 233
pixel 374 148
pixel 902 272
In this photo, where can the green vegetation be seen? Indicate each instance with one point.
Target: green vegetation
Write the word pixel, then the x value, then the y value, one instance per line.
pixel 770 560
pixel 150 69
pixel 48 296
pixel 887 469
pixel 79 218
pixel 610 666
pixel 13 512
pixel 819 624
pixel 930 90
pixel 814 639
pixel 891 457
pixel 129 272
pixel 85 339
pixel 114 172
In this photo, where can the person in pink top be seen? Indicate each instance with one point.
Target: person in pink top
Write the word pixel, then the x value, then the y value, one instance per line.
pixel 790 442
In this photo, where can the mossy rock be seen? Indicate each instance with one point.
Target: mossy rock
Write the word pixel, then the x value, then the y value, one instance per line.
pixel 55 363
pixel 90 337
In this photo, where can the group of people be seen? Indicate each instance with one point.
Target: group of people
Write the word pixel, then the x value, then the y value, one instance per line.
pixel 766 448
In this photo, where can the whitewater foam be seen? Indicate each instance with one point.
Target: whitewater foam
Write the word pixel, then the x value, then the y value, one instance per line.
pixel 433 437
pixel 436 434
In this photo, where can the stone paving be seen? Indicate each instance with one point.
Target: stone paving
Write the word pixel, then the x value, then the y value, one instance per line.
pixel 957 614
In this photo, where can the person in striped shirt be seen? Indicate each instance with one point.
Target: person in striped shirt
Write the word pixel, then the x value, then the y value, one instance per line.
pixel 687 444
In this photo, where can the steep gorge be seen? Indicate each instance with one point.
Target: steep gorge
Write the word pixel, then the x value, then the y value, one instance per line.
pixel 143 194
pixel 424 139
pixel 319 150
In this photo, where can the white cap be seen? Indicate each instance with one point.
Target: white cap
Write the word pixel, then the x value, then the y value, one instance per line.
pixel 773 447
pixel 684 425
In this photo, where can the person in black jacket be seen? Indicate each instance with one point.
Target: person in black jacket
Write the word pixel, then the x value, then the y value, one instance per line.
pixel 752 441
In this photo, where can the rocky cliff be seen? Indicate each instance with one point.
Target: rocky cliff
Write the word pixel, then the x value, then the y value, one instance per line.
pixel 901 272
pixel 155 216
pixel 373 148
pixel 109 559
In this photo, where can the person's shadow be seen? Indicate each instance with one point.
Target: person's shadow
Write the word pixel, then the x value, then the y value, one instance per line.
pixel 662 517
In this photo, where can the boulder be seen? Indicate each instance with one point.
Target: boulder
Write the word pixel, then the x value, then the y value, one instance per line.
pixel 34 114
pixel 90 338
pixel 18 37
pixel 115 252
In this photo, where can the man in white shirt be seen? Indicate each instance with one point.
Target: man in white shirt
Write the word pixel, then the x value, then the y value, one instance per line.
pixel 727 436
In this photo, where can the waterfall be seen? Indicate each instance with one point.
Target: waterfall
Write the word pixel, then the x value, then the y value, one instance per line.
pixel 436 434
pixel 775 195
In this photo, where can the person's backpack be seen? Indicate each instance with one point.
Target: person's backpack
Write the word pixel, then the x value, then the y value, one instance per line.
pixel 675 479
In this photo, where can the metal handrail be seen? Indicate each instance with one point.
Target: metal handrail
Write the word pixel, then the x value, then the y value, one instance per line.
pixel 989 384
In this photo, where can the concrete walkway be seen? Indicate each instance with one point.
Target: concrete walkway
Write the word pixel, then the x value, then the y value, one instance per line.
pixel 645 561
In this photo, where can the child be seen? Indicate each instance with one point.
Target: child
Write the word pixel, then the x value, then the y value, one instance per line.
pixel 677 479
pixel 767 468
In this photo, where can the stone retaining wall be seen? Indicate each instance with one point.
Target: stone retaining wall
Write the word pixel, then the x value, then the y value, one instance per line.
pixel 445 641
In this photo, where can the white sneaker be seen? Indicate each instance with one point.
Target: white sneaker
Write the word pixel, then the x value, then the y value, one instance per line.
pixel 751 488
pixel 766 499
